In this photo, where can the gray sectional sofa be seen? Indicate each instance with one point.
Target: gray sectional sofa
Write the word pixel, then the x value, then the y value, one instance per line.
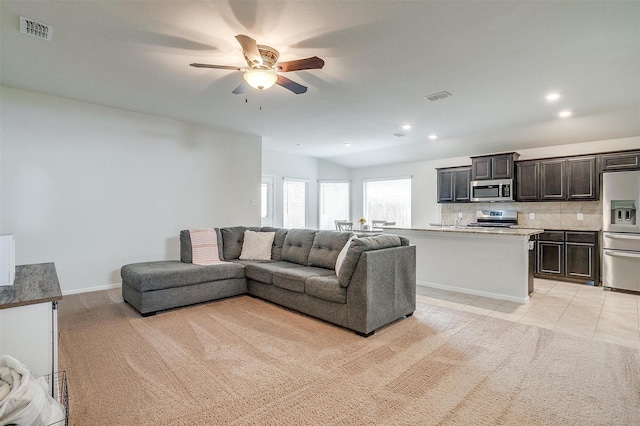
pixel 376 286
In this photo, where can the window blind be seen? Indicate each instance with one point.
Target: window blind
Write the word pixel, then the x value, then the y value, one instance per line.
pixel 388 199
pixel 333 203
pixel 294 196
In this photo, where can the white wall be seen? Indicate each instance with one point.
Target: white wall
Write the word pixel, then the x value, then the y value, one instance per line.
pixel 425 209
pixel 93 188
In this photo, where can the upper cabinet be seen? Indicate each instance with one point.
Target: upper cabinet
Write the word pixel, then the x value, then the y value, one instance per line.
pixel 528 178
pixel 582 178
pixel 558 179
pixel 629 160
pixel 493 166
pixel 552 180
pixel 453 185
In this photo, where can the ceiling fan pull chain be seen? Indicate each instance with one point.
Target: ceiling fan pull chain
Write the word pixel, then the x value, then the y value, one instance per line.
pixel 260 95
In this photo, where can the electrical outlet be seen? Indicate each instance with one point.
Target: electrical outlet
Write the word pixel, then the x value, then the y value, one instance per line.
pixel 254 202
pixel 580 216
pixel 532 215
pixel 459 215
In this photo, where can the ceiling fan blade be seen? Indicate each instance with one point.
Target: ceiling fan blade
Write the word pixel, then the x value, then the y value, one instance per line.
pixel 291 85
pixel 250 48
pixel 222 67
pixel 242 88
pixel 301 64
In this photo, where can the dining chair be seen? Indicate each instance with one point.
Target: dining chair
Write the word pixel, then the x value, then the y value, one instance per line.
pixel 344 225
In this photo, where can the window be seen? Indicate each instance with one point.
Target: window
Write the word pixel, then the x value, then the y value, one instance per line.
pixel 334 203
pixel 294 195
pixel 266 201
pixel 389 200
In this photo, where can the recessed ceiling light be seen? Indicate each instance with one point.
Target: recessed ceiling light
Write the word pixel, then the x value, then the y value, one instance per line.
pixel 347 144
pixel 433 137
pixel 406 126
pixel 552 97
pixel 398 135
pixel 565 114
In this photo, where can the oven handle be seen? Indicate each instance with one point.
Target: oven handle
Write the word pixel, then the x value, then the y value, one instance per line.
pixel 635 255
pixel 622 236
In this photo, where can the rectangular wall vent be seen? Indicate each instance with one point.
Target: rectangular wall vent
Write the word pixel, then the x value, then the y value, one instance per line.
pixel 36 29
pixel 437 96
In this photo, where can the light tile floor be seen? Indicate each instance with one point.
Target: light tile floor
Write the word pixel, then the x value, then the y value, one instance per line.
pixel 576 309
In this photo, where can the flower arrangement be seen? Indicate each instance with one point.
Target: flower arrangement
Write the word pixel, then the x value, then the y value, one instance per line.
pixel 362 221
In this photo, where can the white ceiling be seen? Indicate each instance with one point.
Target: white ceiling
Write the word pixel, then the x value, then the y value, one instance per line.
pixel 498 59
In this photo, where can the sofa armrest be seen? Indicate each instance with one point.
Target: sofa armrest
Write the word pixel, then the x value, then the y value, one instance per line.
pixel 382 288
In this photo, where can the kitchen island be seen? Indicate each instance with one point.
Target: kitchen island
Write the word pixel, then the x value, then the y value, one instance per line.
pixel 489 262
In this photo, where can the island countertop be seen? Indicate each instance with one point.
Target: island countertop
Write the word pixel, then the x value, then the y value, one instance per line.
pixel 517 232
pixel 489 262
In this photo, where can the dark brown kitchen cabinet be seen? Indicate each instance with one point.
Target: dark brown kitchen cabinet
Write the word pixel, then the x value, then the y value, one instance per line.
pixel 493 166
pixel 582 178
pixel 616 161
pixel 558 179
pixel 552 180
pixel 550 251
pixel 453 185
pixel 527 173
pixel 568 255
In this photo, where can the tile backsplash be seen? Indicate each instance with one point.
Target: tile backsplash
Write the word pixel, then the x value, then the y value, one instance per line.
pixel 545 215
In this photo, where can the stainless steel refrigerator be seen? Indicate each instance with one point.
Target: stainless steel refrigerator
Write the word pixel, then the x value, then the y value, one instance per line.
pixel 621 230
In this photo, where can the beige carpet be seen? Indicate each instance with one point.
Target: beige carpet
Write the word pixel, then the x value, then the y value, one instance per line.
pixel 246 361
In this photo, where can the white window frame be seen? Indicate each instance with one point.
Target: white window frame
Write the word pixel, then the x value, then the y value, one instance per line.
pixel 306 200
pixel 320 182
pixel 268 220
pixel 365 213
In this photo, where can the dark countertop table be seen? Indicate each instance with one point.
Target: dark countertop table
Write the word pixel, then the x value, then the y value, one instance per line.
pixel 37 283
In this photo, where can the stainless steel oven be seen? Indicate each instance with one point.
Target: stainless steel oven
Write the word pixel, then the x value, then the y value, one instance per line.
pixel 492 190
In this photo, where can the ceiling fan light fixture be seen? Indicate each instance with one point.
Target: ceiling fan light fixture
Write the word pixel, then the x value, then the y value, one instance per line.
pixel 260 79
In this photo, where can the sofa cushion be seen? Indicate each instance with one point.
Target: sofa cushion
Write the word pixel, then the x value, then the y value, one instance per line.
pixel 326 247
pixel 294 278
pixel 149 276
pixel 360 245
pixel 232 238
pixel 297 245
pixel 278 241
pixel 257 245
pixel 326 288
pixel 263 271
pixel 186 253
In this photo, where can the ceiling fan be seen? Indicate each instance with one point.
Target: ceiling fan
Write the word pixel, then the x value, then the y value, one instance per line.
pixel 263 67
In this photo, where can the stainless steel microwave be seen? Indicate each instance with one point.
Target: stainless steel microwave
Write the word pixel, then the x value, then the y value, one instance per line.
pixel 492 190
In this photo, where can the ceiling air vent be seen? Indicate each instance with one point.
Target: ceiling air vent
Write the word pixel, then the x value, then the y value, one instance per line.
pixel 437 96
pixel 36 29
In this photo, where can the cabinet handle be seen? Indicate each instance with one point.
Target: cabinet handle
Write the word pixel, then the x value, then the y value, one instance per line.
pixel 622 254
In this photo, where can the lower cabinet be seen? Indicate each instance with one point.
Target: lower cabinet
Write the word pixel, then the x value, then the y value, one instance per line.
pixel 568 255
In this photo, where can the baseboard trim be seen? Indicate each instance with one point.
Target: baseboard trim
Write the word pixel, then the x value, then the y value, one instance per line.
pixel 90 289
pixel 475 292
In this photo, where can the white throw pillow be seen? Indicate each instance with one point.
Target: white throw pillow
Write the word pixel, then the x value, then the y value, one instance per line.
pixel 343 254
pixel 257 245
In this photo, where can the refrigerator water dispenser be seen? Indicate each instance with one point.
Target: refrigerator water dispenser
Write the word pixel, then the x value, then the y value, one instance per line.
pixel 623 212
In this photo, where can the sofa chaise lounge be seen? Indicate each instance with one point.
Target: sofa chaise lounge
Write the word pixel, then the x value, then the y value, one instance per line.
pixel 376 284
